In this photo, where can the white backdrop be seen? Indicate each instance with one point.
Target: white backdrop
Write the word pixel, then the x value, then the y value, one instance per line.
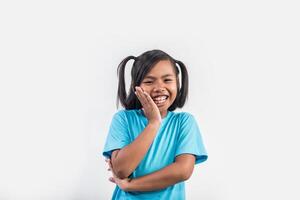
pixel 58 92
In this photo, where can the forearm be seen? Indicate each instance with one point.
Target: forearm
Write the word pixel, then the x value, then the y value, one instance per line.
pixel 127 159
pixel 160 179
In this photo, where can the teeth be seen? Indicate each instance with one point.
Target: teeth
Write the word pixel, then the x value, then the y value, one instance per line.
pixel 161 98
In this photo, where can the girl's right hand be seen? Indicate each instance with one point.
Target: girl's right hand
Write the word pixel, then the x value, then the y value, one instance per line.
pixel 150 109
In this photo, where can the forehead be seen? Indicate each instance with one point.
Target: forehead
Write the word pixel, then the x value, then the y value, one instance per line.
pixel 161 68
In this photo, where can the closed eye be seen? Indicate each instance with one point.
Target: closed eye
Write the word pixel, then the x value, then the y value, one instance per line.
pixel 168 80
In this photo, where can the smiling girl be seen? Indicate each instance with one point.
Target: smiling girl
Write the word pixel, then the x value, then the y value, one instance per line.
pixel 150 149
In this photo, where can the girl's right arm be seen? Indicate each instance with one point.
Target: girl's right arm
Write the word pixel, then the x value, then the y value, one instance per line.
pixel 125 160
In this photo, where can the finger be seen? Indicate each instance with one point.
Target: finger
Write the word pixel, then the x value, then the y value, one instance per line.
pixel 145 101
pixel 109 163
pixel 148 98
pixel 139 91
pixel 144 95
pixel 109 168
pixel 137 88
pixel 111 179
pixel 140 96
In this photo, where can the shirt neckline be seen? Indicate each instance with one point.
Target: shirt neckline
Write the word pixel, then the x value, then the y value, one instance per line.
pixel 163 119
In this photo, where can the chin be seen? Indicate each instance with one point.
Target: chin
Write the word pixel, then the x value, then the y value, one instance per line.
pixel 163 109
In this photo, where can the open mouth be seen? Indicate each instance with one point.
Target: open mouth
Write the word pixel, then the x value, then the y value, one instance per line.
pixel 159 100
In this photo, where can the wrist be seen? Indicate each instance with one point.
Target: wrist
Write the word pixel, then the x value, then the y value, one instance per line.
pixel 128 187
pixel 154 123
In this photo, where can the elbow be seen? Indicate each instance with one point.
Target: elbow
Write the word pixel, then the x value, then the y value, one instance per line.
pixel 120 170
pixel 186 173
pixel 185 166
pixel 121 174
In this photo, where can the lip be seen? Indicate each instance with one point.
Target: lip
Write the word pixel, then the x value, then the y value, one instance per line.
pixel 158 95
pixel 162 103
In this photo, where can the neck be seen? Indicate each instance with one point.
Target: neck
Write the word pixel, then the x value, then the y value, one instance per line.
pixel 163 114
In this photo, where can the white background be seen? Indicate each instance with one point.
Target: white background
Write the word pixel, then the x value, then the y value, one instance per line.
pixel 58 92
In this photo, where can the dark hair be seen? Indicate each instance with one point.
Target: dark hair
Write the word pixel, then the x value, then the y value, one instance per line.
pixel 141 66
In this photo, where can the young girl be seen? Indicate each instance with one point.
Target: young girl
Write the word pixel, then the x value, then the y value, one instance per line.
pixel 151 150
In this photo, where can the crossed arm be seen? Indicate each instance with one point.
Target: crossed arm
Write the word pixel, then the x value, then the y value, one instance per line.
pixel 124 161
pixel 176 172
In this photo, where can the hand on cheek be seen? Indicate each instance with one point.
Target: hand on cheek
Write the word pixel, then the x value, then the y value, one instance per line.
pixel 150 109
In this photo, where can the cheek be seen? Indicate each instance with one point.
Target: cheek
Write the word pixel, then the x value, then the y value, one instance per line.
pixel 173 89
pixel 145 88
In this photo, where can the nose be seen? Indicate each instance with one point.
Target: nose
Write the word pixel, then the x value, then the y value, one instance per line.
pixel 159 90
pixel 159 87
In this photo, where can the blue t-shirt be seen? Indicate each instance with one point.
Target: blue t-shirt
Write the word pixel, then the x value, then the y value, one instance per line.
pixel 178 134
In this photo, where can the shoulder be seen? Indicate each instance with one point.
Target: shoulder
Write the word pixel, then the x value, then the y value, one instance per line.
pixel 125 114
pixel 184 116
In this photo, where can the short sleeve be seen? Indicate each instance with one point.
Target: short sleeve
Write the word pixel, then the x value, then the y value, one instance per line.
pixel 190 139
pixel 118 135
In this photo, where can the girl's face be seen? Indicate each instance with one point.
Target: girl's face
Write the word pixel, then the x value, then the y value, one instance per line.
pixel 161 84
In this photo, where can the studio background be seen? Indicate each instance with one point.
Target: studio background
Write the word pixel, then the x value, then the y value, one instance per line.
pixel 58 84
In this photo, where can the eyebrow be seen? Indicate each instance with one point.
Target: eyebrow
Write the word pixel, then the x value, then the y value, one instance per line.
pixel 164 76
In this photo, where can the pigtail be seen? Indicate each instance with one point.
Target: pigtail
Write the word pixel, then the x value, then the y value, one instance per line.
pixel 183 92
pixel 122 95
